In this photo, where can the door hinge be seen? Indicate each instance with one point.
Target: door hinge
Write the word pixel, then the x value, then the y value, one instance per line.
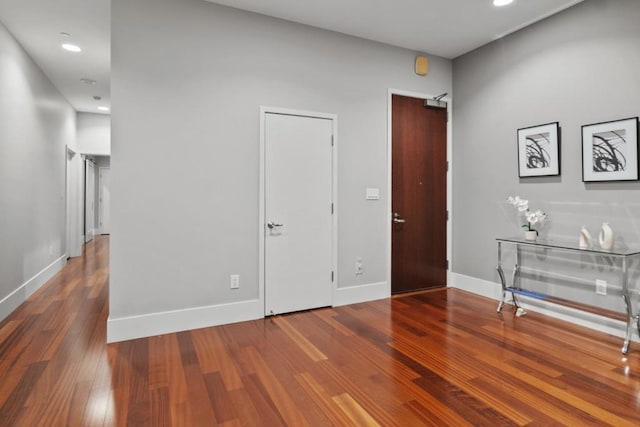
pixel 332 277
pixel 447 165
pixel 332 140
pixel 446 265
pixel 331 208
pixel 447 214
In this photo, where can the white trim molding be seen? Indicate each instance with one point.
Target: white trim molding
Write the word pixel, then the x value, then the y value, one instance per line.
pixel 361 293
pixel 589 320
pixel 20 295
pixel 476 286
pixel 146 325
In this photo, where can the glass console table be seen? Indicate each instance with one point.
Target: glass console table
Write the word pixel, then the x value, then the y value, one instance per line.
pixel 624 255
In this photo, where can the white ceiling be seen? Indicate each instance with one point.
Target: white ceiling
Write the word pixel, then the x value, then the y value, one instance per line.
pixel 447 28
pixel 37 24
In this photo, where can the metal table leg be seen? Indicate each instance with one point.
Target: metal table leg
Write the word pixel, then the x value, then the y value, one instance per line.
pixel 625 347
pixel 628 303
pixel 516 276
pixel 504 289
pixel 502 280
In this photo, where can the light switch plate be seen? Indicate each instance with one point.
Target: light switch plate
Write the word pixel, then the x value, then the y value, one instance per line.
pixel 373 194
pixel 235 281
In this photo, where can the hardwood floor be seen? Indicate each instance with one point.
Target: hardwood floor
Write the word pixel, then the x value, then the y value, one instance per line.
pixel 438 358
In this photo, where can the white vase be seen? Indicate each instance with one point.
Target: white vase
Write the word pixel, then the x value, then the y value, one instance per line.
pixel 606 236
pixel 531 235
pixel 585 238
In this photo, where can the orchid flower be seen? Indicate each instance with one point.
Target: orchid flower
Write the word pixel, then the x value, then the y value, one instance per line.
pixel 521 204
pixel 532 217
pixel 536 217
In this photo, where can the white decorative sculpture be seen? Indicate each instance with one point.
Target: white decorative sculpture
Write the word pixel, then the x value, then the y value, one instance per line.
pixel 585 238
pixel 606 236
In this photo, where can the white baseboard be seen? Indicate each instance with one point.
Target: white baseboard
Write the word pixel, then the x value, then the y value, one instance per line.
pixel 20 295
pixel 146 325
pixel 361 293
pixel 477 286
pixel 90 235
pixel 589 320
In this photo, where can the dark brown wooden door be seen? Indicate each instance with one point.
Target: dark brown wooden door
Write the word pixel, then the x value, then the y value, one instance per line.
pixel 419 199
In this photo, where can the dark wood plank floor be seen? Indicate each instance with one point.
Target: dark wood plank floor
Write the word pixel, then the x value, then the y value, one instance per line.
pixel 438 358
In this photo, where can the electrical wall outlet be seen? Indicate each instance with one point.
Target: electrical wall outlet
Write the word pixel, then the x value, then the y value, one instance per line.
pixel 359 270
pixel 235 281
pixel 601 287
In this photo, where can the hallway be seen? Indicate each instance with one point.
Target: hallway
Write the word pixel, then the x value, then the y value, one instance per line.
pixel 54 363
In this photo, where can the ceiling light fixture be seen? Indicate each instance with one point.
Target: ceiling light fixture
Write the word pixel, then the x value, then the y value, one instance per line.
pixel 101 108
pixel 88 81
pixel 71 47
pixel 501 2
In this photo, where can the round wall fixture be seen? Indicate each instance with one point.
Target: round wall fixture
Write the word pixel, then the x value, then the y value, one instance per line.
pixel 71 47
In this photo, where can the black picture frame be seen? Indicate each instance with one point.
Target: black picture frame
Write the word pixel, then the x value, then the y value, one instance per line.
pixel 539 150
pixel 610 151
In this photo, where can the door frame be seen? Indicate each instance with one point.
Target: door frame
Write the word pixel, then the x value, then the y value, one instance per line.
pixel 264 110
pixel 419 95
pixel 73 190
pixel 100 194
pixel 88 161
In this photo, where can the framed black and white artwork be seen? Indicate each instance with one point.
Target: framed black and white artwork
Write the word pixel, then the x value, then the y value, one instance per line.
pixel 539 150
pixel 610 151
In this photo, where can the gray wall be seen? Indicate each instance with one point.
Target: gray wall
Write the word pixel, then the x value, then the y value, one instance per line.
pixel 188 80
pixel 578 67
pixel 36 123
pixel 94 134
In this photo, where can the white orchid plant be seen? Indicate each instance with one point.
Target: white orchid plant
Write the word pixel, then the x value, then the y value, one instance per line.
pixel 533 217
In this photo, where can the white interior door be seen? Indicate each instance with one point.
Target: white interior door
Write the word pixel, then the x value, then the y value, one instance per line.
pixel 298 227
pixel 105 199
pixel 89 201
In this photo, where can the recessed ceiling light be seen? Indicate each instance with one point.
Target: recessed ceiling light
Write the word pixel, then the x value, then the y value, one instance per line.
pixel 101 108
pixel 71 47
pixel 88 81
pixel 501 2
